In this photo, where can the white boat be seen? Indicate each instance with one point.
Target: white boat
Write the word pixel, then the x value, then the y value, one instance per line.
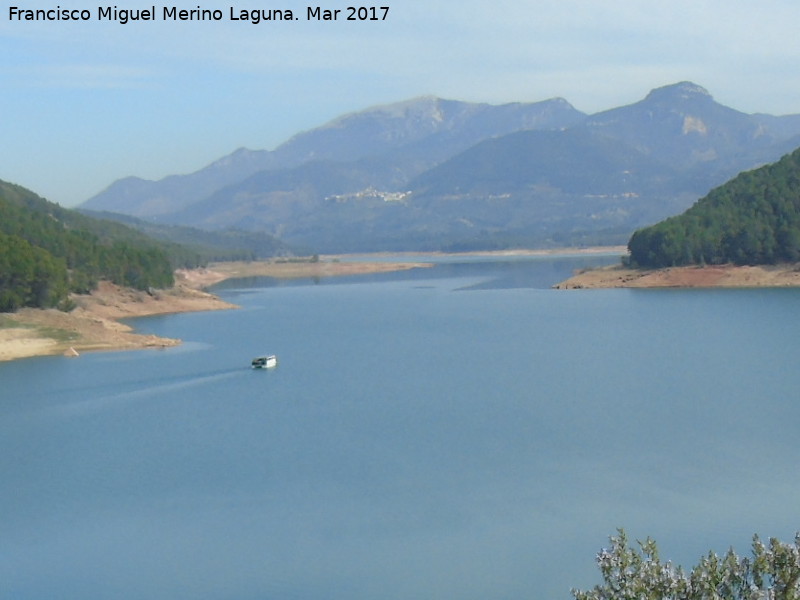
pixel 265 362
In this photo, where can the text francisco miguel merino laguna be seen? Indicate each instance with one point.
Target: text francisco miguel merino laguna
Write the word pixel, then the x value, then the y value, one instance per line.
pixel 173 13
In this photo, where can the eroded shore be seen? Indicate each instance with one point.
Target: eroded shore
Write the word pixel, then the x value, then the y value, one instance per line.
pixel 716 276
pixel 95 323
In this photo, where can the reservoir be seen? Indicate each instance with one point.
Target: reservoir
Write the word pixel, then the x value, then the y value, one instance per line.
pixel 462 432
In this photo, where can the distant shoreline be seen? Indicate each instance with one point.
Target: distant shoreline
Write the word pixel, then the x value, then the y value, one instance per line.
pixel 327 266
pixel 568 251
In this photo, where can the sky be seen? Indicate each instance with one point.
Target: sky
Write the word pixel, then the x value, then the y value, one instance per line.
pixel 84 103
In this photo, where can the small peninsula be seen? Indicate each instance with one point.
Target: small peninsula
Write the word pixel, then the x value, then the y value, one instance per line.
pixel 745 233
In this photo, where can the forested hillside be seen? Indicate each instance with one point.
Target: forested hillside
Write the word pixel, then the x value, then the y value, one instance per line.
pixel 189 246
pixel 47 251
pixel 752 219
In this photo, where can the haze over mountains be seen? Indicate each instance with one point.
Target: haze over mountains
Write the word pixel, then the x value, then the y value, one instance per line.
pixel 431 174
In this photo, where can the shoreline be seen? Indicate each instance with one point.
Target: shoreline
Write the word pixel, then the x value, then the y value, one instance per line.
pixel 95 324
pixel 709 276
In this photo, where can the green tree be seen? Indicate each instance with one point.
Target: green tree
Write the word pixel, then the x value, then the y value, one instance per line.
pixel 29 276
pixel 631 573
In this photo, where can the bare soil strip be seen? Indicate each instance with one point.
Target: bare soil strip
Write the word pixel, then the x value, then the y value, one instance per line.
pixel 721 276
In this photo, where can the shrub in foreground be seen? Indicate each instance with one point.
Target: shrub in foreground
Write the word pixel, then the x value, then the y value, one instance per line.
pixel 772 572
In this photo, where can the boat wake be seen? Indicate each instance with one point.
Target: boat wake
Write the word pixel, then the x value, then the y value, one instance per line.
pixel 158 389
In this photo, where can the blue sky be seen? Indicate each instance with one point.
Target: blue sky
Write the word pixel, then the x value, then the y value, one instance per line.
pixel 85 103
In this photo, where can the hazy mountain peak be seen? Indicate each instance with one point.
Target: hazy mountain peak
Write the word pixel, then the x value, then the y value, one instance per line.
pixel 535 164
pixel 420 106
pixel 676 92
pixel 238 155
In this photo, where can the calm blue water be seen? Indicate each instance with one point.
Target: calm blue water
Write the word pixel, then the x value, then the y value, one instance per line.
pixel 459 432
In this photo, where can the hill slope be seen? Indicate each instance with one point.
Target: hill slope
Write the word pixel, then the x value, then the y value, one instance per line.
pixel 47 251
pixel 753 219
pixel 189 246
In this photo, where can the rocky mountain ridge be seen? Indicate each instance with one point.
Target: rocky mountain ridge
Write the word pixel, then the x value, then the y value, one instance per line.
pixel 438 174
pixel 411 135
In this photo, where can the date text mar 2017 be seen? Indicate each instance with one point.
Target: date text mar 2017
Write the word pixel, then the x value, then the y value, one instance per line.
pixel 350 13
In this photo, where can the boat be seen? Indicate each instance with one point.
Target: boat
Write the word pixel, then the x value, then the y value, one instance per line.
pixel 265 362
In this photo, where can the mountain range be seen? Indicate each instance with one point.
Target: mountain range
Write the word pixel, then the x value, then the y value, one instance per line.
pixel 433 174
